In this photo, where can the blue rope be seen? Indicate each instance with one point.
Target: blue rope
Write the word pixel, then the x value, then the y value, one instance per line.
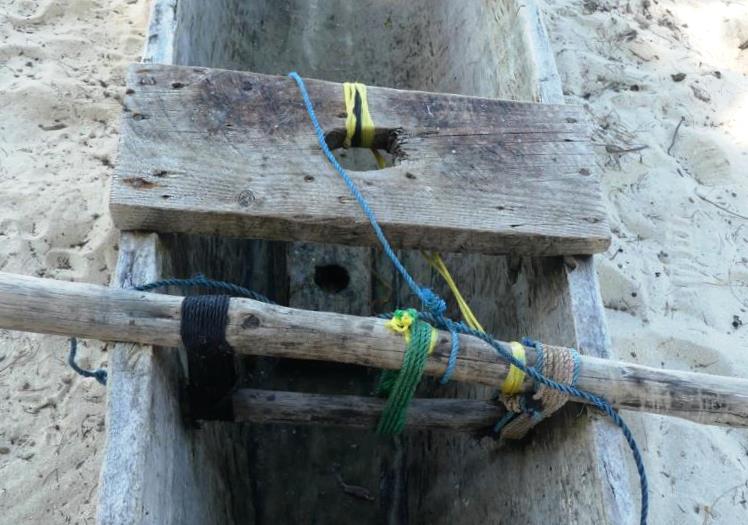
pixel 540 355
pixel 431 301
pixel 197 281
pixel 99 374
pixel 200 280
pixel 436 307
pixel 453 353
pixel 504 421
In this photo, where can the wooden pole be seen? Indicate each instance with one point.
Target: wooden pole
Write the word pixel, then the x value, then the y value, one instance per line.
pixel 271 406
pixel 72 309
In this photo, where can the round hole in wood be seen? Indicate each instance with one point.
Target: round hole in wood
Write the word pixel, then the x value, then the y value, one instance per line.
pixel 331 278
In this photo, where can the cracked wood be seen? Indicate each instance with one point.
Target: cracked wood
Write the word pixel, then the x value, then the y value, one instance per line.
pixel 230 153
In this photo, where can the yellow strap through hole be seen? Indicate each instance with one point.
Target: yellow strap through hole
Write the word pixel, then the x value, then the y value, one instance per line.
pixel 358 116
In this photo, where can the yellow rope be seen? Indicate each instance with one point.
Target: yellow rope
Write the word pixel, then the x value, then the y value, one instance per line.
pixel 359 126
pixel 401 323
pixel 514 379
pixel 360 132
pixel 438 264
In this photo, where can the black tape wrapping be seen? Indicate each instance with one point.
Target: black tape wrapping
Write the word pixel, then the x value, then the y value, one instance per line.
pixel 210 359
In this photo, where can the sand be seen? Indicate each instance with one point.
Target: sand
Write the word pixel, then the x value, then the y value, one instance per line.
pixel 675 280
pixel 61 72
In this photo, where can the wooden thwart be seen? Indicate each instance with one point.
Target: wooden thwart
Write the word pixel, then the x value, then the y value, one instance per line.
pixel 271 406
pixel 230 153
pixel 255 328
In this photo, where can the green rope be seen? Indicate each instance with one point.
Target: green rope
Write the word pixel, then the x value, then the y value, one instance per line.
pixel 400 386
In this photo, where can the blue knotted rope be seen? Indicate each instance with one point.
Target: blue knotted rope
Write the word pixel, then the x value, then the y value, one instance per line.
pixel 436 307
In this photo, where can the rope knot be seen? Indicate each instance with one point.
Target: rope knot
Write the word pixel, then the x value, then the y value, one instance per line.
pixel 528 409
pixel 401 322
pixel 101 376
pixel 432 303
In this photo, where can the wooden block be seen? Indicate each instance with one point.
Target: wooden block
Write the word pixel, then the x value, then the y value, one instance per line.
pixel 230 153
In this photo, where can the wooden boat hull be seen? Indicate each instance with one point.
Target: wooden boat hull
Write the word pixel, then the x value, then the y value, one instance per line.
pixel 159 469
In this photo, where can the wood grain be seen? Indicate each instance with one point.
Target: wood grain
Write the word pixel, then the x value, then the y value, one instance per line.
pixel 254 328
pixel 273 406
pixel 230 153
pixel 152 456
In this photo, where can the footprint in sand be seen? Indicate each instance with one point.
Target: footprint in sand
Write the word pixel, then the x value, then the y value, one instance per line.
pixel 28 13
pixel 704 159
pixel 619 291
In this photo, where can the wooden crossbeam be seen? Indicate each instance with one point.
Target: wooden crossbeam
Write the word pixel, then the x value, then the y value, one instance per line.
pixel 254 328
pixel 272 406
pixel 230 153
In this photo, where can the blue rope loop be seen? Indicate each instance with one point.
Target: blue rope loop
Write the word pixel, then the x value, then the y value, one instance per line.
pixel 435 307
pixel 99 374
pixel 540 355
pixel 198 280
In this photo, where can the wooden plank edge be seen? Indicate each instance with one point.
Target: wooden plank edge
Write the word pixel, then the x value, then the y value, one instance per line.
pixel 295 408
pixel 136 216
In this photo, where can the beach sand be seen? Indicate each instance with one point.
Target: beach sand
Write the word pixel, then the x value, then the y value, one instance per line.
pixel 61 77
pixel 674 282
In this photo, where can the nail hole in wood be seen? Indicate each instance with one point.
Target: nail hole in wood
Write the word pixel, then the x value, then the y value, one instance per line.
pixel 245 198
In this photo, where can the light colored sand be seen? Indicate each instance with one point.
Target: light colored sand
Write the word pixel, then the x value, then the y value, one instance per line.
pixel 61 65
pixel 675 280
pixel 676 277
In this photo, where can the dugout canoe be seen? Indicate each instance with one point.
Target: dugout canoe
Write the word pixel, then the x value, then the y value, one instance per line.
pixel 163 468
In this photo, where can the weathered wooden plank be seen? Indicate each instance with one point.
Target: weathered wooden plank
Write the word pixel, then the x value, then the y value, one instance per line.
pixel 255 328
pixel 273 406
pixel 156 469
pixel 613 484
pixel 230 153
pixel 592 337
